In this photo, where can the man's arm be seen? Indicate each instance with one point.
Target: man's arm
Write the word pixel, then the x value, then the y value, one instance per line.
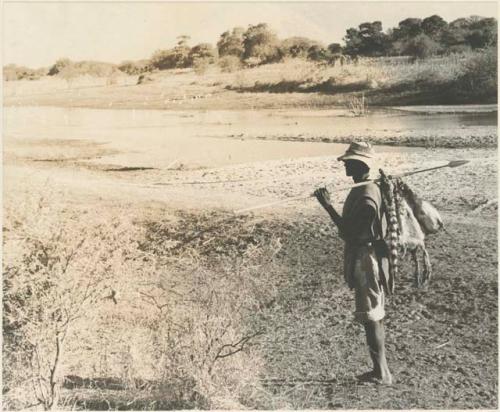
pixel 359 223
pixel 324 199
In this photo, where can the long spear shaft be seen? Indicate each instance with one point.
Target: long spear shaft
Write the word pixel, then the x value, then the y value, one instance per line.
pixel 453 163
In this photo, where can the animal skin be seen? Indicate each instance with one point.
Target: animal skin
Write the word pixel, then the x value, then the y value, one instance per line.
pixel 409 219
pixel 426 214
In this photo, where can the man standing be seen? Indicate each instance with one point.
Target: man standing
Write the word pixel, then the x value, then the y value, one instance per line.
pixel 366 264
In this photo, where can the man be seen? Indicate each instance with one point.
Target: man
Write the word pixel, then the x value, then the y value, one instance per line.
pixel 361 226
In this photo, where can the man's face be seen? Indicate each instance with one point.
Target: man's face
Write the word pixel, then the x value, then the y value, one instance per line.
pixel 355 168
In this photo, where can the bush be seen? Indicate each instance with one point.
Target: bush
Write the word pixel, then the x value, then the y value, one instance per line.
pixel 92 297
pixel 479 78
pixel 163 59
pixel 134 67
pixel 203 301
pixel 261 42
pixel 422 46
pixel 201 65
pixel 13 72
pixel 145 78
pixel 59 65
pixel 229 64
pixel 57 269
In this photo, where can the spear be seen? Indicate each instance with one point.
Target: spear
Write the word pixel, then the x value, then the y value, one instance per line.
pixel 453 163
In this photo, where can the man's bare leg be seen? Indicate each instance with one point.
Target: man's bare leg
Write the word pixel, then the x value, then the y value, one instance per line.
pixel 375 337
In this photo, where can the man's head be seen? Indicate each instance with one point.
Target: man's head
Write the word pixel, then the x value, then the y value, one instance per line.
pixel 358 159
pixel 356 168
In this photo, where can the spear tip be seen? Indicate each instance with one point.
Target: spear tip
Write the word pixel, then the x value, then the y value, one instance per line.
pixel 456 163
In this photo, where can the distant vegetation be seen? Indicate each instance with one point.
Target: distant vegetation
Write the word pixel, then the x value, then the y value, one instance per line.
pixel 14 72
pixel 259 44
pixel 461 54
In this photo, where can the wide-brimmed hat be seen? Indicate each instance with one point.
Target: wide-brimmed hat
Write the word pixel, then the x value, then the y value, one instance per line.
pixel 361 151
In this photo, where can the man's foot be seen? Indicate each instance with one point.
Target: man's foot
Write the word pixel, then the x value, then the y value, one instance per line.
pixel 373 377
pixel 367 376
pixel 386 379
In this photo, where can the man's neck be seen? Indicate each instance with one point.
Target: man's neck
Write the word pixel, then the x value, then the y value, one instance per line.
pixel 362 178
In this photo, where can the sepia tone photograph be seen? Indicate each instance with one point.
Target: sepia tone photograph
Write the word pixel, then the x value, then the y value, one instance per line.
pixel 249 205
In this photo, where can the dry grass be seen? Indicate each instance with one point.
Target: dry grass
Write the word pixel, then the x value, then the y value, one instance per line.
pixel 198 286
pixel 169 318
pixel 304 83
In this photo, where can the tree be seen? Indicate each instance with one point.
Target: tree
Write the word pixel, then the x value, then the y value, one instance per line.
pixel 14 72
pixel 163 59
pixel 335 48
pixel 318 53
pixel 483 33
pixel 229 63
pixel 181 51
pixel 298 46
pixel 69 73
pixel 433 26
pixel 203 51
pixel 407 29
pixel 479 76
pixel 422 46
pixel 231 43
pixel 59 65
pixel 368 40
pixel 201 56
pixel 353 42
pixel 134 67
pixel 261 43
pixel 475 32
pixel 172 58
pixel 374 39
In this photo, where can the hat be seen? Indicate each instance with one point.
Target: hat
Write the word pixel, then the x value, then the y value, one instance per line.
pixel 361 151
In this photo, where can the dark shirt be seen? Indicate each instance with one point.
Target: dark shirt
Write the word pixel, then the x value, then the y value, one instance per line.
pixel 362 216
pixel 363 223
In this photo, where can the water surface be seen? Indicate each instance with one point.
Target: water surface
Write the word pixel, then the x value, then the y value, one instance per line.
pixel 156 138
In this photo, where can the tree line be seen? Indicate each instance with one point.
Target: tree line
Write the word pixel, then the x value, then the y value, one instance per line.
pixel 259 44
pixel 422 38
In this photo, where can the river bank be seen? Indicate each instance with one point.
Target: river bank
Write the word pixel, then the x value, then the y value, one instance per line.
pixel 295 83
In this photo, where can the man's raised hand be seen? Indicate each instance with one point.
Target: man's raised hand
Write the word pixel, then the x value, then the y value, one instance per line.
pixel 323 196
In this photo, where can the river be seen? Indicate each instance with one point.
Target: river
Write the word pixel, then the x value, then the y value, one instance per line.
pixel 157 139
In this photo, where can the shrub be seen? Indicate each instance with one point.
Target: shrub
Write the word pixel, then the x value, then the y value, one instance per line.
pixel 229 64
pixel 204 301
pixel 261 42
pixel 202 51
pixel 231 43
pixel 13 72
pixel 56 272
pixel 200 65
pixel 59 65
pixel 145 78
pixel 93 297
pixel 422 46
pixel 134 67
pixel 479 77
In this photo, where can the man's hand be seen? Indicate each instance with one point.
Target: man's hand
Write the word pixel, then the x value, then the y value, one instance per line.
pixel 323 197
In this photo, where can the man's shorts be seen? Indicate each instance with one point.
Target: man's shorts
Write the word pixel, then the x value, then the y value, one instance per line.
pixel 368 290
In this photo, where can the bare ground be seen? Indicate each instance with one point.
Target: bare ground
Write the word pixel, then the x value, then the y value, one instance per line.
pixel 442 340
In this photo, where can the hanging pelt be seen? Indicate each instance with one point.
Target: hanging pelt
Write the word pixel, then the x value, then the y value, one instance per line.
pixel 392 237
pixel 426 214
pixel 409 219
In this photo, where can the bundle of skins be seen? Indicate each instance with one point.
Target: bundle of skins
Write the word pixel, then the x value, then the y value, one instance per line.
pixel 409 220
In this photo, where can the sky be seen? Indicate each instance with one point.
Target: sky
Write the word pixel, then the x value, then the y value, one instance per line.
pixel 36 34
